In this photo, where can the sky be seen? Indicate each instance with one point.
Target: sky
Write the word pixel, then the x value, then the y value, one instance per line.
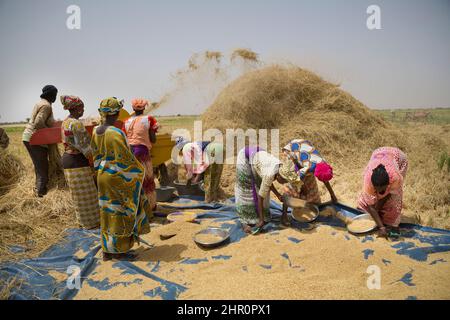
pixel 132 48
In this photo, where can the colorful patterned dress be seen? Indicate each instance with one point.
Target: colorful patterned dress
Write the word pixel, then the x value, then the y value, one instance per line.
pixel 123 204
pixel 205 157
pixel 396 164
pixel 137 131
pixel 193 158
pixel 308 157
pixel 78 173
pixel 255 172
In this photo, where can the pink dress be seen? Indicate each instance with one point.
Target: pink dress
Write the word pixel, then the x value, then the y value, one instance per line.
pixel 137 129
pixel 396 164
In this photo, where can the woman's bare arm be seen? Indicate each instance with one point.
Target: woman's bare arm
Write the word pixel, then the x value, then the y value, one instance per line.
pixel 260 211
pixel 330 190
pixel 276 193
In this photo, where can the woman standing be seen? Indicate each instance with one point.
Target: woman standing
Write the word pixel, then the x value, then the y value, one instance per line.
pixel 256 170
pixel 120 176
pixel 141 133
pixel 75 160
pixel 382 194
pixel 41 117
pixel 303 164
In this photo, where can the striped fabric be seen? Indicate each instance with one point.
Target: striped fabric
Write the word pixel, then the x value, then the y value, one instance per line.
pixel 84 196
pixel 243 191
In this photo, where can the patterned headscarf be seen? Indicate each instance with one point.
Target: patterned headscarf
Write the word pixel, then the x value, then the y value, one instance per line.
pixel 139 104
pixel 71 102
pixel 110 106
pixel 180 142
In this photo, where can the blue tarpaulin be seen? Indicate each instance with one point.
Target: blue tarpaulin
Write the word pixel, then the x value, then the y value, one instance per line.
pixel 37 280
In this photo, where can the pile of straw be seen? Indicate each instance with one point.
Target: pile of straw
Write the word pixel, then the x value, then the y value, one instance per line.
pixel 302 105
pixel 11 169
pixel 30 222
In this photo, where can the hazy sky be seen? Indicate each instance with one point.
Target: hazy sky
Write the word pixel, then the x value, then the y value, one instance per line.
pixel 130 48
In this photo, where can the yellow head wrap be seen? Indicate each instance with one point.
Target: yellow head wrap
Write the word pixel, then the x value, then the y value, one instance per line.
pixel 110 106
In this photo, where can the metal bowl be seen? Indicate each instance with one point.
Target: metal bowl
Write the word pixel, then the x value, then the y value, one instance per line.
pixel 313 208
pixel 365 216
pixel 195 189
pixel 183 216
pixel 221 234
pixel 164 193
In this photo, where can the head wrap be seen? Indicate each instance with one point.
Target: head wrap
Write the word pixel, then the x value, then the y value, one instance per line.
pixel 110 106
pixel 139 104
pixel 287 172
pixel 71 102
pixel 323 171
pixel 180 142
pixel 49 92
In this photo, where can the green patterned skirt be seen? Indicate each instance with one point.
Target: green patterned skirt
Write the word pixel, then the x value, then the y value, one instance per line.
pixel 245 204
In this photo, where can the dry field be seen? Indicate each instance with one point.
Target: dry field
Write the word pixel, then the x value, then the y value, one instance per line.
pixel 306 107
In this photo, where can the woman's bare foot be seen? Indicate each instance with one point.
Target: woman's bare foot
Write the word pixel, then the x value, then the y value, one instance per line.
pixel 246 228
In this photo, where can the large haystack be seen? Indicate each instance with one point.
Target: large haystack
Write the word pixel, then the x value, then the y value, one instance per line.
pixel 299 103
pixel 303 105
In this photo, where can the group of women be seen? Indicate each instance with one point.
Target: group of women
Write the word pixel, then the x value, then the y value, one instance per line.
pixel 122 197
pixel 300 165
pixel 257 170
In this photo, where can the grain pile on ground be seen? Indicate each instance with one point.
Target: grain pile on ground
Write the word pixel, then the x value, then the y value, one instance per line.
pixel 302 105
pixel 284 264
